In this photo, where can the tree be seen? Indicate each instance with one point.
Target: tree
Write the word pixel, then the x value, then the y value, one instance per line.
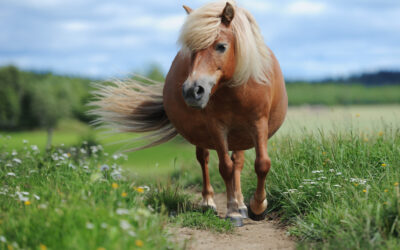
pixel 49 105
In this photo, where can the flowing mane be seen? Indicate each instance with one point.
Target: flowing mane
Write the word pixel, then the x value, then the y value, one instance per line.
pixel 202 28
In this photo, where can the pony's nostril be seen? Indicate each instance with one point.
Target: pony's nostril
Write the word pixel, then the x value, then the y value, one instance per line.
pixel 198 92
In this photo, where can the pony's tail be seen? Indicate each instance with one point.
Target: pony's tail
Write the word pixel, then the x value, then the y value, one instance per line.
pixel 133 106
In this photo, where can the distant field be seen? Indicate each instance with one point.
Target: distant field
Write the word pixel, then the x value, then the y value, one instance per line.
pixel 333 94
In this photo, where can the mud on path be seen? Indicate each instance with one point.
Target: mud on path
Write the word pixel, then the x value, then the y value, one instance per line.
pixel 253 235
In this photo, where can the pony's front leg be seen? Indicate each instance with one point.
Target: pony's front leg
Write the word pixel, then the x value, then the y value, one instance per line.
pixel 226 169
pixel 258 203
pixel 238 162
pixel 208 193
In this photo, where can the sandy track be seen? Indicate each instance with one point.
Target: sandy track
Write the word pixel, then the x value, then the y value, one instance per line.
pixel 253 235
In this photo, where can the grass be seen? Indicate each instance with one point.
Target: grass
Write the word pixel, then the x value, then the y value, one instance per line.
pixel 74 199
pixel 333 94
pixel 336 187
pixel 338 190
pixel 205 221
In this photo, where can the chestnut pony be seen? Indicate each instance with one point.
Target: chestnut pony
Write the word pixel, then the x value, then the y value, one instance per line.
pixel 224 91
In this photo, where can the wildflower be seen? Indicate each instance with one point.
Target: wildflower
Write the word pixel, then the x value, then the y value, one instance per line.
pixel 364 190
pixel 16 160
pixel 124 194
pixel 89 225
pixel 139 243
pixel 336 185
pixel 339 173
pixel 25 141
pixel 104 167
pixel 121 211
pixel 366 139
pixel 114 185
pixel 385 203
pixel 11 174
pixel 396 184
pixel 131 233
pixel 34 148
pixel 380 133
pixel 383 165
pixel 331 170
pixel 357 115
pixel 324 153
pixel 385 190
pixel 69 155
pixel 27 203
pixel 124 224
pixel 103 225
pixel 356 184
pixel 317 171
pixel 83 151
pixel 139 189
pixel 3 239
pixel 42 247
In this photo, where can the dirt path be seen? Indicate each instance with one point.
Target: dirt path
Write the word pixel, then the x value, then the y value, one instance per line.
pixel 253 235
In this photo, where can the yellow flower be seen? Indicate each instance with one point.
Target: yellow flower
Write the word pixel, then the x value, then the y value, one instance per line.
pixel 356 184
pixel 139 189
pixel 366 139
pixel 380 133
pixel 357 115
pixel 114 185
pixel 124 194
pixel 396 184
pixel 42 247
pixel 364 190
pixel 69 154
pixel 323 153
pixel 9 247
pixel 383 165
pixel 385 190
pixel 385 203
pixel 27 203
pixel 139 243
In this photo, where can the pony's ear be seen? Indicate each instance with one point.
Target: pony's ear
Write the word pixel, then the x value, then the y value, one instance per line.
pixel 228 14
pixel 188 9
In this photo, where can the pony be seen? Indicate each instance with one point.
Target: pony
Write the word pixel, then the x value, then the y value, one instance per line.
pixel 224 91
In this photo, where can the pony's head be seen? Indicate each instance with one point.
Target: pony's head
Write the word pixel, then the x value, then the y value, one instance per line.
pixel 225 47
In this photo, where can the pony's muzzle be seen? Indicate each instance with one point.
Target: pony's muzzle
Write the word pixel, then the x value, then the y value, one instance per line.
pixel 196 95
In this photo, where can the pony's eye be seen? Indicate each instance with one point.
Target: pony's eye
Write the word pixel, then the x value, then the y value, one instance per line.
pixel 220 47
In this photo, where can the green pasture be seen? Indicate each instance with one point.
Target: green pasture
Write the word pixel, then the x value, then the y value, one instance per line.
pixel 334 182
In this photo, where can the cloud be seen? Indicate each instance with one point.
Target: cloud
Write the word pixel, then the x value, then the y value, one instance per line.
pixel 306 8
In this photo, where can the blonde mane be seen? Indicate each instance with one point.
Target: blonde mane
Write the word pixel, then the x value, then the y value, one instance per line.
pixel 202 28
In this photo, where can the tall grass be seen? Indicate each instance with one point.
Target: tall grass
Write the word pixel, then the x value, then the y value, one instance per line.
pixel 74 198
pixel 338 190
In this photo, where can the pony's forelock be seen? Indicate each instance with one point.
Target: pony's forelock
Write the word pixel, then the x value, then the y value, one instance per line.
pixel 202 28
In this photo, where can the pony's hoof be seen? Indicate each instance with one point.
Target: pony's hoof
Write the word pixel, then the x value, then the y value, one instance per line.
pixel 243 212
pixel 257 217
pixel 236 221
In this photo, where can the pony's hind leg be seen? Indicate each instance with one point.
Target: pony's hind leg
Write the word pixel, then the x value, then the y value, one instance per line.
pixel 208 193
pixel 238 162
pixel 258 203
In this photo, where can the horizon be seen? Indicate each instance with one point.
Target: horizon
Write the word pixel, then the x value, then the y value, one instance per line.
pixel 96 39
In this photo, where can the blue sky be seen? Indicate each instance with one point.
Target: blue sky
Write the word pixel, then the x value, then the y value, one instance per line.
pixel 99 38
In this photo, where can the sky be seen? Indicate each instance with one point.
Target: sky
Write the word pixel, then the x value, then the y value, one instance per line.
pixel 103 38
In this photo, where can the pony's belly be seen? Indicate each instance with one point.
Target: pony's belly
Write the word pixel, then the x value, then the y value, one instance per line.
pixel 237 140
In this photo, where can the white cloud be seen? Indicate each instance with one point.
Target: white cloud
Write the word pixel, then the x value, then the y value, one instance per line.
pixel 306 8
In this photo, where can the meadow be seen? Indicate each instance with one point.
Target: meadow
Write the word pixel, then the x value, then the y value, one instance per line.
pixel 334 183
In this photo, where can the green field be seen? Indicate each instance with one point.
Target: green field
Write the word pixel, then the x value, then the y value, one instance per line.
pixel 334 182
